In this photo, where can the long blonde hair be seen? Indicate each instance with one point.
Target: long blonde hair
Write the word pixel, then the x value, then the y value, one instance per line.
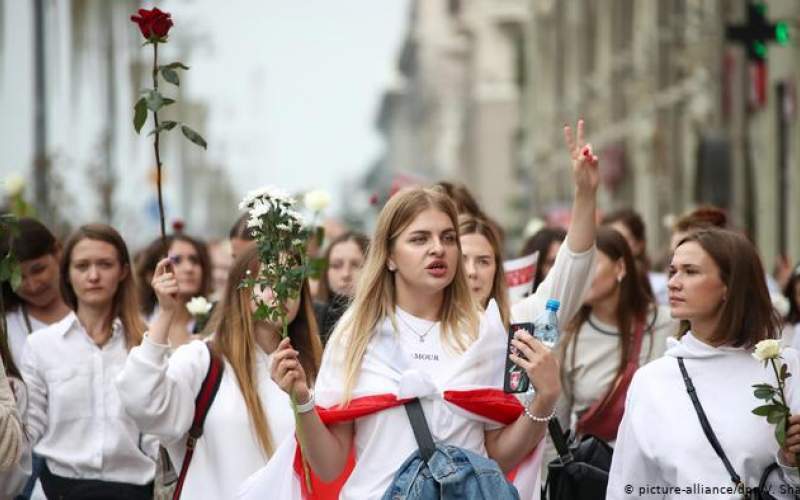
pixel 234 339
pixel 375 296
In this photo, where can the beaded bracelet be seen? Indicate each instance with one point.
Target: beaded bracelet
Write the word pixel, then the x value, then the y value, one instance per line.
pixel 539 419
pixel 308 405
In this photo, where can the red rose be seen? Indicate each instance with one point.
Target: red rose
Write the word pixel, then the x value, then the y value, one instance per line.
pixel 154 24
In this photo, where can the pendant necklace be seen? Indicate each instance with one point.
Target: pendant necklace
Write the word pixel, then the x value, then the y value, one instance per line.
pixel 421 336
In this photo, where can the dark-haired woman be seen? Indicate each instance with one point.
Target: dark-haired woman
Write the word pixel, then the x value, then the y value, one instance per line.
pixel 37 302
pixel 192 267
pixel 717 290
pixel 75 420
pixel 344 257
pixel 250 415
pixel 618 324
pixel 547 241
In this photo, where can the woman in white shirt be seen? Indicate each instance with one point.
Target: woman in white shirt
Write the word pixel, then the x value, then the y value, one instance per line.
pixel 250 415
pixel 618 317
pixel 75 419
pixel 413 300
pixel 718 292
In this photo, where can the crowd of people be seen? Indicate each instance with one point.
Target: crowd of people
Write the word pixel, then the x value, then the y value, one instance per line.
pixel 112 385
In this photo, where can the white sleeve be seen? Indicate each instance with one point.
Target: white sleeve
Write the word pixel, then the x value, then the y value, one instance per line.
pixel 631 465
pixel 566 282
pixel 159 394
pixel 36 418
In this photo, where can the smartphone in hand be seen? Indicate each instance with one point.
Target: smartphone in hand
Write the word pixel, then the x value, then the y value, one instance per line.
pixel 515 379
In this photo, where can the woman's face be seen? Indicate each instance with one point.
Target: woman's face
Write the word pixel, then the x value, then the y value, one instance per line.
pixel 425 254
pixel 479 265
pixel 40 282
pixel 188 271
pixel 696 291
pixel 95 272
pixel 344 267
pixel 607 276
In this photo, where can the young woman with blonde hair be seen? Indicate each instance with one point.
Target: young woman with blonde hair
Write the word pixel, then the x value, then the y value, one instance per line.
pixel 414 331
pixel 250 415
pixel 74 418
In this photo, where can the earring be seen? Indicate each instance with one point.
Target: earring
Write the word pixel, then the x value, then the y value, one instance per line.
pixel 619 279
pixel 391 268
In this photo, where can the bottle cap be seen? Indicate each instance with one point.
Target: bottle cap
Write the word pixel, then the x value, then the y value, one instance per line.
pixel 552 304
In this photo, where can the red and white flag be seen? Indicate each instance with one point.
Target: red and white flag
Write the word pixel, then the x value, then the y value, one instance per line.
pixel 519 276
pixel 472 390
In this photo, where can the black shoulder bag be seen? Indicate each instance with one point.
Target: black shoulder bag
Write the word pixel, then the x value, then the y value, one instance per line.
pixel 760 493
pixel 581 470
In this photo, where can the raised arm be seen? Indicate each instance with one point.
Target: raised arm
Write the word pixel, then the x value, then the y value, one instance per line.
pixel 571 274
pixel 157 393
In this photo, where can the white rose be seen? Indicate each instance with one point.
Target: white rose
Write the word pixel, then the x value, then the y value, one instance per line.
pixel 198 306
pixel 317 200
pixel 767 349
pixel 15 183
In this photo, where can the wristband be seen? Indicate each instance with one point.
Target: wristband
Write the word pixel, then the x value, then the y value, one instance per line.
pixel 308 405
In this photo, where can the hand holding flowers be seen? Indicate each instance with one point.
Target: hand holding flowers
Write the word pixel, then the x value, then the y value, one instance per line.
pixel 776 410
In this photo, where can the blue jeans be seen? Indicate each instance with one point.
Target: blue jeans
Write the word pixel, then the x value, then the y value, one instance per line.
pixel 452 473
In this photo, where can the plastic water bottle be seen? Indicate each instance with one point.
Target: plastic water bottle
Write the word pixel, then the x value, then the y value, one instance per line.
pixel 545 326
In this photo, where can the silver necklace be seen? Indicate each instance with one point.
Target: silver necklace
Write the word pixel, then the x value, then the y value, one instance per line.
pixel 415 332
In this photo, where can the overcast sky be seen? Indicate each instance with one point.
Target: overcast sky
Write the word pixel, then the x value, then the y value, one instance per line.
pixel 293 86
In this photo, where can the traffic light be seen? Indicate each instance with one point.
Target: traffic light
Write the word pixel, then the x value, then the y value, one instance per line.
pixel 758 32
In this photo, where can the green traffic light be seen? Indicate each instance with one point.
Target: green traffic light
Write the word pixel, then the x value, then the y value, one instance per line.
pixel 782 33
pixel 760 49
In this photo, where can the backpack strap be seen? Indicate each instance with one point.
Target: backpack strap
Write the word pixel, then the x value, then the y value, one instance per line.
pixel 422 433
pixel 208 391
pixel 709 432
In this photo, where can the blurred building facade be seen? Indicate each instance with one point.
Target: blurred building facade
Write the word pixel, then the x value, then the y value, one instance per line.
pixel 484 88
pixel 70 72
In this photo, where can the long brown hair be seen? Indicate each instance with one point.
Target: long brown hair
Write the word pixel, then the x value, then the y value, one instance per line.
pixel 375 293
pixel 234 339
pixel 499 290
pixel 634 302
pixel 125 302
pixel 747 315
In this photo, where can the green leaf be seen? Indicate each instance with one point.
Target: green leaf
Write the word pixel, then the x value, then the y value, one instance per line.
pixel 5 268
pixel 16 274
pixel 780 432
pixel 194 136
pixel 171 76
pixel 784 370
pixel 163 127
pixel 139 114
pixel 155 101
pixel 777 415
pixel 763 411
pixel 167 101
pixel 764 393
pixel 174 66
pixel 762 386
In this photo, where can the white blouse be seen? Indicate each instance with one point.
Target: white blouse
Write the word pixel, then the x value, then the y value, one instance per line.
pixel 75 419
pixel 159 393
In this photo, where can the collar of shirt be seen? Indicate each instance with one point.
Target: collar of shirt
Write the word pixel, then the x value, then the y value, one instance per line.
pixel 71 323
